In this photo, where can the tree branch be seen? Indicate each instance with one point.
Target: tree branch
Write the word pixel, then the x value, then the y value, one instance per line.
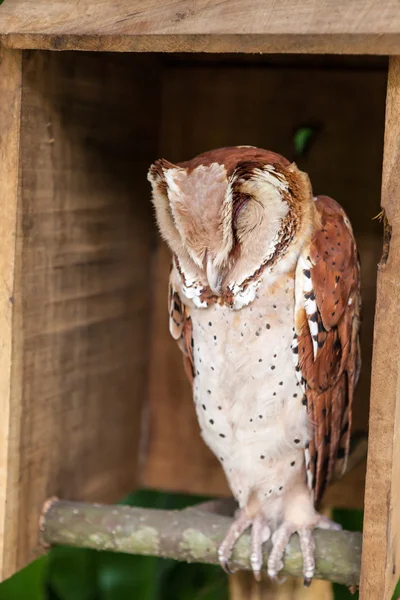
pixel 191 535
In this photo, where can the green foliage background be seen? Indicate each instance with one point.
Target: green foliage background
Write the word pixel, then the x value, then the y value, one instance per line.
pixel 75 574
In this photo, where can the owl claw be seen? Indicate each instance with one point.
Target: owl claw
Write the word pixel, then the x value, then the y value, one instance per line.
pixel 281 538
pixel 226 568
pixel 260 533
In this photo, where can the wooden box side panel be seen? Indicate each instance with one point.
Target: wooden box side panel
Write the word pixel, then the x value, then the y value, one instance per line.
pixel 208 105
pixel 10 106
pixel 82 286
pixel 380 567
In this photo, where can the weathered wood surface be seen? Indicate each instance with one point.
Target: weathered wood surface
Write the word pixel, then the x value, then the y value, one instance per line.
pixel 381 553
pixel 10 107
pixel 80 287
pixel 289 26
pixel 206 106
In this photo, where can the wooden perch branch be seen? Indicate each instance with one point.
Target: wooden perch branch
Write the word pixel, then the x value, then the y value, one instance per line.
pixel 191 535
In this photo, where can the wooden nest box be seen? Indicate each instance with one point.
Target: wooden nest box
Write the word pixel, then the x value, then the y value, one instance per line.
pixel 93 397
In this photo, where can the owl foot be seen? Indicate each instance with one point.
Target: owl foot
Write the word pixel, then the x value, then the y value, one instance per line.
pixel 260 533
pixel 280 540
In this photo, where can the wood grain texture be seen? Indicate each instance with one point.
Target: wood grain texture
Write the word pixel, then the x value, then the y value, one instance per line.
pixel 289 26
pixel 81 293
pixel 381 548
pixel 206 106
pixel 10 106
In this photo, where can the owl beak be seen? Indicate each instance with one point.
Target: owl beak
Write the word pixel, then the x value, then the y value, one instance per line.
pixel 214 277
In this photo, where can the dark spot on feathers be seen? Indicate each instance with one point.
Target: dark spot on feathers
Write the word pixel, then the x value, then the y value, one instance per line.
pixel 304 401
pixel 292 463
pixel 281 383
pixel 315 338
pixel 260 416
pixel 222 435
pixel 296 441
pixel 337 278
pixel 280 487
pixel 268 326
pixel 341 453
pixel 260 360
pixel 215 337
pixel 314 317
pixel 262 456
pixel 208 391
pixel 204 406
pixel 272 367
pixel 307 273
pixel 209 322
pixel 212 369
pixel 212 421
pixel 294 395
pixel 336 345
pixel 321 343
pixel 219 407
pixel 324 412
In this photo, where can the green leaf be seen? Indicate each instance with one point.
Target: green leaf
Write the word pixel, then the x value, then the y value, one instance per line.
pixel 27 584
pixel 302 139
pixel 72 573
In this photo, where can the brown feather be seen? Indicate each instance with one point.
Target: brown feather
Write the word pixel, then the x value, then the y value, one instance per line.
pixel 329 378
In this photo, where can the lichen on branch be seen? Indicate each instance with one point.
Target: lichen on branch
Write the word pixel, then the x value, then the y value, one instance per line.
pixel 191 535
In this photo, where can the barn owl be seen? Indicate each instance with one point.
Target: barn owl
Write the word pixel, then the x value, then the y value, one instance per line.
pixel 264 302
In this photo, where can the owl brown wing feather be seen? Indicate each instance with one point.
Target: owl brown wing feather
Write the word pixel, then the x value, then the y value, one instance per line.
pixel 180 326
pixel 326 343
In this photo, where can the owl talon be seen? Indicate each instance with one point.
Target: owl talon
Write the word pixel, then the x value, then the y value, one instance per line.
pixel 225 567
pixel 260 533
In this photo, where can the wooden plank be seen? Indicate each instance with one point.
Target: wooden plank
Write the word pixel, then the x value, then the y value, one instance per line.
pixel 81 292
pixel 10 106
pixel 243 586
pixel 206 106
pixel 381 545
pixel 288 26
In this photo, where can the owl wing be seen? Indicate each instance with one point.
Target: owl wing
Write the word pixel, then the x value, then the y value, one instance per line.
pixel 180 326
pixel 326 342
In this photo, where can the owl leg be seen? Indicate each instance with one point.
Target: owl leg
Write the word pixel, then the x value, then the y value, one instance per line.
pixel 260 533
pixel 239 525
pixel 281 538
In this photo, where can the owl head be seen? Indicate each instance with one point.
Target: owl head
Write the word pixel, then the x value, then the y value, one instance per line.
pixel 227 212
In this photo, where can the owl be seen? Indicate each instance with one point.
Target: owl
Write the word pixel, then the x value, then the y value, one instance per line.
pixel 264 303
